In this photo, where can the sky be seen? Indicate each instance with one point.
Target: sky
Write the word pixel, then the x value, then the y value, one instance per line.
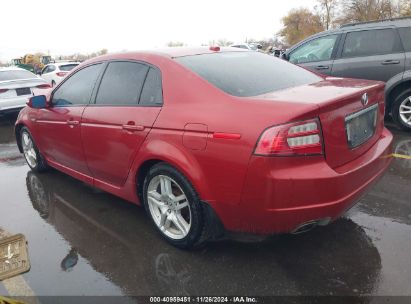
pixel 64 27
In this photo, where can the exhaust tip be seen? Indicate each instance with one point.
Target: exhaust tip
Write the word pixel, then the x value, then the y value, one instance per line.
pixel 305 227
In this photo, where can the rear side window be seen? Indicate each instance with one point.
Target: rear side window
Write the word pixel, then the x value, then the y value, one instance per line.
pixel 405 34
pixel 152 93
pixel 247 74
pixel 77 89
pixel 67 67
pixel 373 42
pixel 15 75
pixel 122 83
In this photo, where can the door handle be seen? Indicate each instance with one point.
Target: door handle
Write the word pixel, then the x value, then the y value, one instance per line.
pixel 387 62
pixel 73 122
pixel 133 128
pixel 322 67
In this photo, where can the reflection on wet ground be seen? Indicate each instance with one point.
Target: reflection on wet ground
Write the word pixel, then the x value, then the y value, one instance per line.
pixel 84 241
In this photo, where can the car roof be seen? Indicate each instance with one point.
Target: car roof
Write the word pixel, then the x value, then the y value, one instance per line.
pixel 399 22
pixel 172 52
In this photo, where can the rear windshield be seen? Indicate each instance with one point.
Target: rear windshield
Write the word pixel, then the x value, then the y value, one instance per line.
pixel 68 67
pixel 15 75
pixel 247 74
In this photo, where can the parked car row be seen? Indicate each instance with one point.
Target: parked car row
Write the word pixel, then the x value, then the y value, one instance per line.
pixel 373 50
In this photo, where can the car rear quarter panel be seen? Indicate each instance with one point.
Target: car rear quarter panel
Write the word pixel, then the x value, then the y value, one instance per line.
pixel 218 170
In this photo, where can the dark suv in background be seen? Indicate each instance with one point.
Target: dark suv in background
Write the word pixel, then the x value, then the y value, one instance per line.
pixel 379 50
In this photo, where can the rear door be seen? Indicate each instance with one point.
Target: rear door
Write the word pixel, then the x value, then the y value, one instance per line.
pixel 316 54
pixel 60 123
pixel 126 106
pixel 374 54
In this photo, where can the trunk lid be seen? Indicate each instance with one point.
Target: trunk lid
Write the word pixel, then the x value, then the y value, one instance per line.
pixel 345 120
pixel 21 87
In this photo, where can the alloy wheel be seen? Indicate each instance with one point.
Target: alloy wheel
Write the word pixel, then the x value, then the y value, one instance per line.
pixel 169 207
pixel 405 111
pixel 28 150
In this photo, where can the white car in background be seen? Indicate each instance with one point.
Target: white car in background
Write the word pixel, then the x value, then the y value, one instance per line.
pixel 247 46
pixel 16 87
pixel 54 73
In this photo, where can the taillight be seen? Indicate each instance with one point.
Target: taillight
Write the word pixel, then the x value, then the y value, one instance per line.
pixel 44 86
pixel 61 74
pixel 300 138
pixel 3 90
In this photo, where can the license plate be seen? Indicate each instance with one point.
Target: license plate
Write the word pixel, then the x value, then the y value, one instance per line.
pixel 14 257
pixel 360 126
pixel 23 91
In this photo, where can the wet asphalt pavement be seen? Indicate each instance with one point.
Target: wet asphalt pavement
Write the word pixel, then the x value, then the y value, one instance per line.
pixel 83 241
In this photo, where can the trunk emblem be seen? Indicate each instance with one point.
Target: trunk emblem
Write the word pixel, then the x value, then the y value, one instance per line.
pixel 364 99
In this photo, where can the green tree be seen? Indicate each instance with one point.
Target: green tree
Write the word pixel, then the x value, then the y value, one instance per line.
pixel 299 24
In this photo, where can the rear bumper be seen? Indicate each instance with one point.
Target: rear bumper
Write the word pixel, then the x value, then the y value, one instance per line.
pixel 13 104
pixel 281 193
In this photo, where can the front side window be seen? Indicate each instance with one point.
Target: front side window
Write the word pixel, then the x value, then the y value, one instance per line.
pixel 246 74
pixel 319 49
pixel 405 34
pixel 77 89
pixel 369 43
pixel 122 83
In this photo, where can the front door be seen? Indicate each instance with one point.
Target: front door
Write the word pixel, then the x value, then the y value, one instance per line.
pixel 60 124
pixel 316 54
pixel 126 106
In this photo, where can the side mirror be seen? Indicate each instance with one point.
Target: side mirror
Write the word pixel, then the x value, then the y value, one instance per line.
pixel 285 56
pixel 39 73
pixel 37 102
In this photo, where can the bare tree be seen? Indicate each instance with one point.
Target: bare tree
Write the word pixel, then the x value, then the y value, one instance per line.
pixel 327 10
pixel 224 42
pixel 367 10
pixel 175 43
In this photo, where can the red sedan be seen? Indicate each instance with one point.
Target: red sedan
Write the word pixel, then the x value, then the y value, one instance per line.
pixel 212 140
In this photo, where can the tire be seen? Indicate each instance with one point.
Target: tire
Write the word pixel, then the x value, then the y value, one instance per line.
pixel 401 103
pixel 31 153
pixel 169 198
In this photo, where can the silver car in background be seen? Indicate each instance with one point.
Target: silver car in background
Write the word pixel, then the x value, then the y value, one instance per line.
pixel 16 86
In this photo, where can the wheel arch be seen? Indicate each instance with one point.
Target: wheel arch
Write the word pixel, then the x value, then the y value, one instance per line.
pixel 158 151
pixel 17 130
pixel 395 86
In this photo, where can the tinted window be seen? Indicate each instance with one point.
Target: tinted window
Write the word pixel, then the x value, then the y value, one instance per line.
pixel 16 74
pixel 405 34
pixel 247 73
pixel 122 83
pixel 152 93
pixel 368 43
pixel 319 49
pixel 77 89
pixel 51 68
pixel 68 67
